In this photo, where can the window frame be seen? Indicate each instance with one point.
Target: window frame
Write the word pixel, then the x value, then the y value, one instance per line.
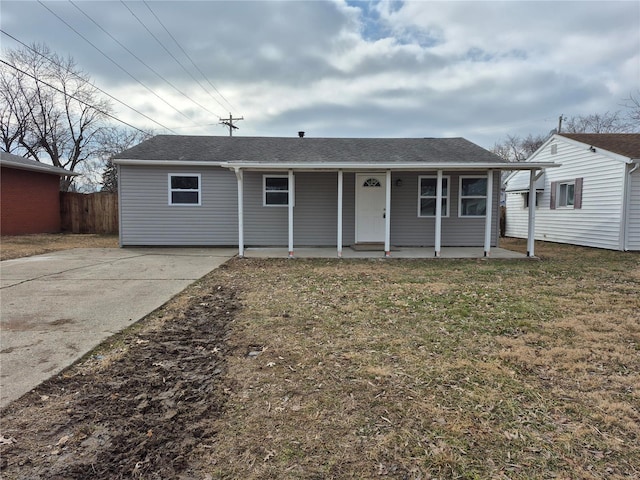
pixel 264 190
pixel 461 197
pixel 444 197
pixel 171 190
pixel 525 199
pixel 560 198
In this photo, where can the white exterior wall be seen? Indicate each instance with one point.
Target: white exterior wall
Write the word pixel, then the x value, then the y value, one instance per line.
pixel 598 222
pixel 633 226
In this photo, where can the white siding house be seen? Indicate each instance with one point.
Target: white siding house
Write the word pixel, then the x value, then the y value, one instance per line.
pixel 592 199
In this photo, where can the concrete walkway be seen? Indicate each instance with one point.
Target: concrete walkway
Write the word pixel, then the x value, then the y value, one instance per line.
pixel 54 308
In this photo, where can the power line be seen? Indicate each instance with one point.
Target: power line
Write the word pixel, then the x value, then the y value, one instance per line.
pixel 66 94
pixel 113 61
pixel 189 57
pixel 93 85
pixel 142 62
pixel 170 54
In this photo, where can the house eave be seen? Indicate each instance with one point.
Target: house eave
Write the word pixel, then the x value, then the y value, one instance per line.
pixel 334 166
pixel 50 169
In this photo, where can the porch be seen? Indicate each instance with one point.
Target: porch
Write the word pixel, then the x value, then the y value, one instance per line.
pixel 401 252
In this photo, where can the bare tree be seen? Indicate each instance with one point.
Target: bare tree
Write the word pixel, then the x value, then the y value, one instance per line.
pixel 517 149
pixel 608 122
pixel 113 142
pixel 632 106
pixel 49 110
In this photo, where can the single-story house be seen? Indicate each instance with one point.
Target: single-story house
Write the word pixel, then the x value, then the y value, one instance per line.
pixel 265 191
pixel 593 199
pixel 29 195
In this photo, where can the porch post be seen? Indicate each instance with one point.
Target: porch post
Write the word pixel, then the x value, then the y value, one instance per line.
pixel 291 199
pixel 340 180
pixel 387 217
pixel 488 214
pixel 531 229
pixel 438 226
pixel 240 179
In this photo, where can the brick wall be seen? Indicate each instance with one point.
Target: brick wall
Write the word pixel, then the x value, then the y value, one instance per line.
pixel 29 202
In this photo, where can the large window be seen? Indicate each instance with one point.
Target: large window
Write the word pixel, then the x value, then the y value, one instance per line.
pixel 184 189
pixel 473 196
pixel 276 190
pixel 427 186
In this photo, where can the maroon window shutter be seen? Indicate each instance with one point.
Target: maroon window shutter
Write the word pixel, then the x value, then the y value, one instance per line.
pixel 554 187
pixel 577 193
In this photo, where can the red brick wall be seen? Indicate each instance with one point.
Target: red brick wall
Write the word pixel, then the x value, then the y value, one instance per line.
pixel 29 202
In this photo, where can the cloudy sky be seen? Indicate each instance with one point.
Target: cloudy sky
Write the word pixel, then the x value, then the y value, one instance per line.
pixel 341 68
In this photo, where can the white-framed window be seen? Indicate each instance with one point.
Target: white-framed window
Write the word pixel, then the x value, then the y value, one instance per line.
pixel 427 185
pixel 566 194
pixel 185 189
pixel 473 196
pixel 276 190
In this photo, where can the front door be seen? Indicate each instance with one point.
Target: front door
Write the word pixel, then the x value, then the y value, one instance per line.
pixel 370 207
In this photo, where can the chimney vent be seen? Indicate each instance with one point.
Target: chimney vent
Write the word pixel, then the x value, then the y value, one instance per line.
pixel 301 134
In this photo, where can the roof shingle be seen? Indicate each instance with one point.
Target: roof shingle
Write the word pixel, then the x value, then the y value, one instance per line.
pixel 625 144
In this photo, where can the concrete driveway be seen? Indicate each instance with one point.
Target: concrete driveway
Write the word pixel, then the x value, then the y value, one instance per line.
pixel 54 308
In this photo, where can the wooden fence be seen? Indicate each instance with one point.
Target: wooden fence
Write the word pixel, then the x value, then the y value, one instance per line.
pixel 89 213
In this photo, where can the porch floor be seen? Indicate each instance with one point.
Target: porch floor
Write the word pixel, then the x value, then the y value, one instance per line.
pixel 397 252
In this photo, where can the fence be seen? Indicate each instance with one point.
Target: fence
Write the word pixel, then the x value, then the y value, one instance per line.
pixel 89 213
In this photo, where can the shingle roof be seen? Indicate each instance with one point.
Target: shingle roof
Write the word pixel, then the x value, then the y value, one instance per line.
pixel 21 163
pixel 309 150
pixel 626 144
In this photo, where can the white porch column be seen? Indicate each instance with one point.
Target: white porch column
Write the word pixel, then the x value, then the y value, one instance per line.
pixel 488 214
pixel 340 182
pixel 387 217
pixel 531 229
pixel 291 200
pixel 438 226
pixel 240 179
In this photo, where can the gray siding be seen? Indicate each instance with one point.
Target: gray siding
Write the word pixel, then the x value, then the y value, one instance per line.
pixel 146 218
pixel 410 230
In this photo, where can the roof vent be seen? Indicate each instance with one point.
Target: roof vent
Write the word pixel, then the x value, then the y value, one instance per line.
pixel 301 134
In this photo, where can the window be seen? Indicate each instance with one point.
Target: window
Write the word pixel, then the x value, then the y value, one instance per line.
pixel 184 189
pixel 473 196
pixel 427 196
pixel 372 182
pixel 525 199
pixel 276 190
pixel 566 194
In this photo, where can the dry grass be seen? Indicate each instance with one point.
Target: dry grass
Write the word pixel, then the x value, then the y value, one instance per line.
pixel 434 369
pixel 27 245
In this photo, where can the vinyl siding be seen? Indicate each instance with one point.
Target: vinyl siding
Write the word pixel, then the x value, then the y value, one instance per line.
pixel 146 218
pixel 409 230
pixel 633 227
pixel 597 223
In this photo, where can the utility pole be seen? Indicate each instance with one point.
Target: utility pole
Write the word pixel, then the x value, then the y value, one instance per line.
pixel 229 123
pixel 560 123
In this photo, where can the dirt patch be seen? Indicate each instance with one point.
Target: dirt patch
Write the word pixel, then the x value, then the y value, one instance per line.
pixel 37 244
pixel 141 407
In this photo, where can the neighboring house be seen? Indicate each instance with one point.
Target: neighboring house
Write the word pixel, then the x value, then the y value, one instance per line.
pixel 262 191
pixel 29 195
pixel 593 199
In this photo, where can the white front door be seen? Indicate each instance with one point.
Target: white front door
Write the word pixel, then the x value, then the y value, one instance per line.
pixel 370 207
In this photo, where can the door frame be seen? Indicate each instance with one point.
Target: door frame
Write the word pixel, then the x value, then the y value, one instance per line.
pixel 380 175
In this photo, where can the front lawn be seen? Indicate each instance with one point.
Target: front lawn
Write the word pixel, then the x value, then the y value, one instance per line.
pixel 470 369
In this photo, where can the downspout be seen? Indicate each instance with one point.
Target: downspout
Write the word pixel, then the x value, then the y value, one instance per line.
pixel 626 202
pixel 119 206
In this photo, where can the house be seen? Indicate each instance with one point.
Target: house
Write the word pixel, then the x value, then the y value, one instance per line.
pixel 593 199
pixel 29 195
pixel 264 191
